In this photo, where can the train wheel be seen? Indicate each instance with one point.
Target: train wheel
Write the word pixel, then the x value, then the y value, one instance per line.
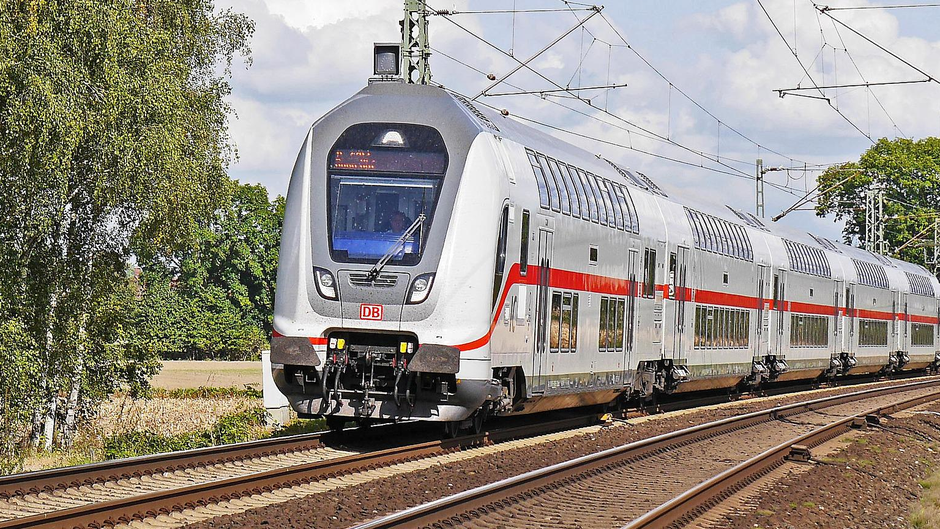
pixel 335 424
pixel 451 429
pixel 476 422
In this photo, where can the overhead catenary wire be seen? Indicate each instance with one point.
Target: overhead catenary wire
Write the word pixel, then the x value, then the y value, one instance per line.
pixel 845 49
pixel 896 6
pixel 673 86
pixel 630 147
pixel 587 101
pixel 809 76
pixel 822 10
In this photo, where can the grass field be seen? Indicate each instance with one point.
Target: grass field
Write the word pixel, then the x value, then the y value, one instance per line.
pixel 178 374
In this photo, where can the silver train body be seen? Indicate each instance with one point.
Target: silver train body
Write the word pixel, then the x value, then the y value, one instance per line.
pixel 439 260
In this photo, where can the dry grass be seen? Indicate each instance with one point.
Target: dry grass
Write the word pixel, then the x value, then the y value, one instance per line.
pixel 926 513
pixel 167 416
pixel 192 374
pixel 123 414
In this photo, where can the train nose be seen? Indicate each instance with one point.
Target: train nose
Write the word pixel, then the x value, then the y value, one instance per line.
pixel 374 302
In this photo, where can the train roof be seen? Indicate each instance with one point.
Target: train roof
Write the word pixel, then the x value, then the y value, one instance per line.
pixel 487 120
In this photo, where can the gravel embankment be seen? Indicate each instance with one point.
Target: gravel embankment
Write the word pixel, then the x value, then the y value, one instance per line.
pixel 347 506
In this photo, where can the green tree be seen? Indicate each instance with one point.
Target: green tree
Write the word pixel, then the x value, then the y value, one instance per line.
pixel 215 299
pixel 908 172
pixel 113 128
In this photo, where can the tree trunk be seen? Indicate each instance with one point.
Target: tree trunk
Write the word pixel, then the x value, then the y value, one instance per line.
pixel 48 430
pixel 49 389
pixel 68 429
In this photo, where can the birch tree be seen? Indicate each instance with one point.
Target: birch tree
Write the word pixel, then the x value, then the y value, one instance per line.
pixel 113 128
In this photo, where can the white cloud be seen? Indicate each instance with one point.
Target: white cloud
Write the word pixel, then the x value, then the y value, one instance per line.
pixel 311 55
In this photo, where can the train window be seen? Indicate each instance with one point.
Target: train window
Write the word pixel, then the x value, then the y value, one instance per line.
pixel 714 243
pixel 574 323
pixel 726 247
pixel 807 259
pixel 539 180
pixel 631 222
pixel 921 334
pixel 524 244
pixel 809 331
pixel 592 255
pixel 588 193
pixel 919 284
pixel 612 217
pixel 603 209
pixel 562 188
pixel 649 273
pixel 724 278
pixel 618 337
pixel 721 328
pixel 554 201
pixel 608 191
pixel 698 237
pixel 565 342
pixel 500 254
pixel 871 274
pixel 714 234
pixel 578 206
pixel 872 333
pixel 556 322
pixel 611 324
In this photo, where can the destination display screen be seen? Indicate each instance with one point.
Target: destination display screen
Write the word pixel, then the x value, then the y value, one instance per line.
pixel 388 161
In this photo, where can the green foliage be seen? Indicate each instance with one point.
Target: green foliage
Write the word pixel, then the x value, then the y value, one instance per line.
pixel 301 426
pixel 113 135
pixel 235 428
pixel 204 392
pixel 215 299
pixel 909 173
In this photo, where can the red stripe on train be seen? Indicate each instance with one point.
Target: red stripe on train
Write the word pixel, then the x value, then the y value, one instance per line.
pixel 568 280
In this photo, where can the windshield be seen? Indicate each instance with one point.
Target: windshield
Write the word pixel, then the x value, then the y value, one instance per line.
pixel 382 177
pixel 371 213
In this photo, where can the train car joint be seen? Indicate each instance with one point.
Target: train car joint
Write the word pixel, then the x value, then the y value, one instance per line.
pixel 896 361
pixel 661 375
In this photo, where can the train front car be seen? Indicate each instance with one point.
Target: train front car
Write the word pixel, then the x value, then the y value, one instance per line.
pixel 387 260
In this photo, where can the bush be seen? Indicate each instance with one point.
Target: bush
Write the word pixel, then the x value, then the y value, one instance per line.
pixel 235 428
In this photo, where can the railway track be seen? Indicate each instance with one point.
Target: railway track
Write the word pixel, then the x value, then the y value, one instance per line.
pixel 120 492
pixel 664 481
pixel 163 485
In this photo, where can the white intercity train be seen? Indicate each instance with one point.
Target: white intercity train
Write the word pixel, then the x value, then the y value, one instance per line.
pixel 443 262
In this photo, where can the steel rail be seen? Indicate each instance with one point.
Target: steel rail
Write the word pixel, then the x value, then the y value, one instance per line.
pixel 61 478
pixel 705 496
pixel 455 508
pixel 125 510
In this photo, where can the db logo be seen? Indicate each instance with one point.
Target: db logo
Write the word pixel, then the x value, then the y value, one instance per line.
pixel 371 312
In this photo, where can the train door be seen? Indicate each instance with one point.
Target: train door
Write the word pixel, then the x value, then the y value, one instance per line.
pixel 850 317
pixel 895 330
pixel 541 309
pixel 780 289
pixel 763 315
pixel 678 274
pixel 630 317
pixel 904 324
pixel 837 324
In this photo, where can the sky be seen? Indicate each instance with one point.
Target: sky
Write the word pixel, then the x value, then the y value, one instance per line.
pixel 700 82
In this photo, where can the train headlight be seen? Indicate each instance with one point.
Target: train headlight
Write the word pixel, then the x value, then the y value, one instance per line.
pixel 326 285
pixel 420 288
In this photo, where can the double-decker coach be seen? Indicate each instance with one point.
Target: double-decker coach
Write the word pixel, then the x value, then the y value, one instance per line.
pixel 443 262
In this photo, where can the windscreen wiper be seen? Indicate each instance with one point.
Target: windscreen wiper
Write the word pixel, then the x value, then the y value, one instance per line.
pixel 400 243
